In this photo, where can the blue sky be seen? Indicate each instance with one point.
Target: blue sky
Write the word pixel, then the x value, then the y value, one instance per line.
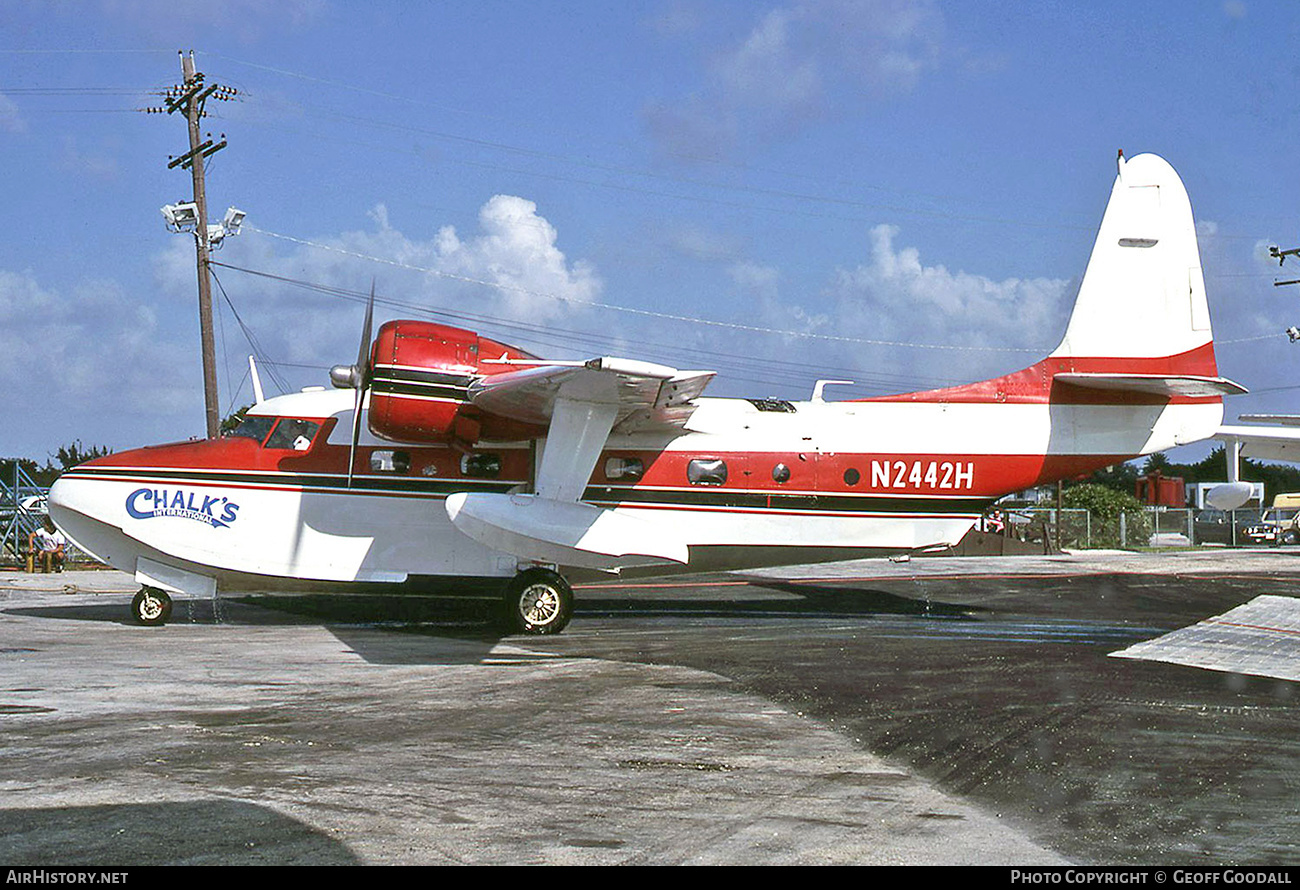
pixel 900 193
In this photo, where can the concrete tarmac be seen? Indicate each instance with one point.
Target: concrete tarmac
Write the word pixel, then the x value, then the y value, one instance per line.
pixel 959 711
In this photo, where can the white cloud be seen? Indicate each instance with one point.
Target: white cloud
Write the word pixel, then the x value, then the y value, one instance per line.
pixel 510 269
pixel 89 363
pixel 779 74
pixel 10 120
pixel 96 362
pixel 698 242
pixel 517 252
pixel 898 297
pixel 767 71
pixel 894 297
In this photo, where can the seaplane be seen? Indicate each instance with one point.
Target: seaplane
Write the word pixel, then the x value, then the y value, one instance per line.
pixel 444 461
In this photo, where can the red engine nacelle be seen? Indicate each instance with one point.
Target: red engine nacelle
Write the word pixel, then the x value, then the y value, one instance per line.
pixel 421 372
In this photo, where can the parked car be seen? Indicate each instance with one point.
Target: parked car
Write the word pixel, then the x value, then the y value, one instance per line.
pixel 1287 522
pixel 1216 527
pixel 34 505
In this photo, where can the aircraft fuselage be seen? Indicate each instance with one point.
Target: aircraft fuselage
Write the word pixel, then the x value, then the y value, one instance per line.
pixel 744 484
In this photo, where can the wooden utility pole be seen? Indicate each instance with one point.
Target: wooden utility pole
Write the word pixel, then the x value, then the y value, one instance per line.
pixel 1281 255
pixel 193 109
pixel 189 98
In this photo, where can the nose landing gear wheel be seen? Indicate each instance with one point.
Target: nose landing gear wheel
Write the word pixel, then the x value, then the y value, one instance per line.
pixel 537 602
pixel 151 606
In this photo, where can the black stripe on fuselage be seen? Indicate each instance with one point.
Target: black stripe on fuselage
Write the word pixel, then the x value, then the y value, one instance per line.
pixel 600 495
pixel 313 481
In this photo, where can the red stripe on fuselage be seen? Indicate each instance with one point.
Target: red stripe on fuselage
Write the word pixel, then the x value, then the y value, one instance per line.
pixel 1035 384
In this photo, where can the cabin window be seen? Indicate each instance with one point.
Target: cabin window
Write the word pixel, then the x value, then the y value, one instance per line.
pixel 624 469
pixel 254 427
pixel 707 471
pixel 295 434
pixel 852 476
pixel 390 461
pixel 780 473
pixel 481 466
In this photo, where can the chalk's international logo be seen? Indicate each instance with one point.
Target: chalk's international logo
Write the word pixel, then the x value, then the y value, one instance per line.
pixel 151 503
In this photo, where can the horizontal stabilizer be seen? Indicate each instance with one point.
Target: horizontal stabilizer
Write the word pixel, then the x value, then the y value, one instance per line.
pixel 1155 384
pixel 568 533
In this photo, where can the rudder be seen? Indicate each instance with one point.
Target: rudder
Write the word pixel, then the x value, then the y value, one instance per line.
pixel 1143 293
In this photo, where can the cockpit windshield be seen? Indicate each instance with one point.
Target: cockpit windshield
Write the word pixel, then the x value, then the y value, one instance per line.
pixel 253 426
pixel 289 432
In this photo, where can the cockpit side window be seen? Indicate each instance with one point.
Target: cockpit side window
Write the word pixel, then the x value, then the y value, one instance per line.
pixel 253 426
pixel 292 433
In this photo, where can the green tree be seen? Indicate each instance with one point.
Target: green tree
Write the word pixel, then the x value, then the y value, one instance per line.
pixel 1214 468
pixel 233 420
pixel 1157 463
pixel 1104 506
pixel 67 456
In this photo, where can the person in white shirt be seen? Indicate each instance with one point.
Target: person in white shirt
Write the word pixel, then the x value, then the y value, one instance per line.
pixel 49 546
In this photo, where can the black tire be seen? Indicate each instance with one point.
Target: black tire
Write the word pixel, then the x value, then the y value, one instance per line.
pixel 536 602
pixel 151 607
pixel 1290 536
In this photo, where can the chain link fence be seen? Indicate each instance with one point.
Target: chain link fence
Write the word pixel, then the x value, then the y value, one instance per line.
pixel 1148 527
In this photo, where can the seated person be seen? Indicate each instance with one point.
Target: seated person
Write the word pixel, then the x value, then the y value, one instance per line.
pixel 49 546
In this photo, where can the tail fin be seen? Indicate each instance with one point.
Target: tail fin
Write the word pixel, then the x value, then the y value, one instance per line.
pixel 1141 321
pixel 1140 328
pixel 1143 295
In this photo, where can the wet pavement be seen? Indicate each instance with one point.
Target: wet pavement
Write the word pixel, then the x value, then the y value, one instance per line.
pixel 934 711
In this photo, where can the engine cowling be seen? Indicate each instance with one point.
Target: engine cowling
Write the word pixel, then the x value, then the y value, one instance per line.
pixel 420 377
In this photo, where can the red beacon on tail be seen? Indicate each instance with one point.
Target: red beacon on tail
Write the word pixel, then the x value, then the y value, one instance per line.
pixel 446 462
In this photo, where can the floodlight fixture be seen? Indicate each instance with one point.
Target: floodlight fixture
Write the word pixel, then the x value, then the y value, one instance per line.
pixel 233 220
pixel 229 225
pixel 181 217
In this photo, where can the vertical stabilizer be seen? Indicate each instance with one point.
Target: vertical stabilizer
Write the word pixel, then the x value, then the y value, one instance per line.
pixel 1143 295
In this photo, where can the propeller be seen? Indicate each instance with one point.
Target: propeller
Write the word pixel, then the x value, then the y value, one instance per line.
pixel 357 377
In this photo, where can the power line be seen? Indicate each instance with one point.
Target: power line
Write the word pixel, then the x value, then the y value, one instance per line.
pixel 644 313
pixel 774 371
pixel 260 353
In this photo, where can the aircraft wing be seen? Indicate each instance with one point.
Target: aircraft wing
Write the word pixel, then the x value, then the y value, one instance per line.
pixel 645 394
pixel 1284 419
pixel 582 403
pixel 1264 442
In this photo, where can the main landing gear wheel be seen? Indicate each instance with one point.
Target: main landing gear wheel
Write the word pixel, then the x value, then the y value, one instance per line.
pixel 151 606
pixel 537 602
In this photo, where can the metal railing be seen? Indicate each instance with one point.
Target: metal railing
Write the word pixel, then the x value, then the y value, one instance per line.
pixel 17 522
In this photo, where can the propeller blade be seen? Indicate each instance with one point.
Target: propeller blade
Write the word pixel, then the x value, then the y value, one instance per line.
pixel 361 378
pixel 363 355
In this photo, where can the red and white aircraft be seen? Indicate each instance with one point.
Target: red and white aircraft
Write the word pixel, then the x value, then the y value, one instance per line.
pixel 458 462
